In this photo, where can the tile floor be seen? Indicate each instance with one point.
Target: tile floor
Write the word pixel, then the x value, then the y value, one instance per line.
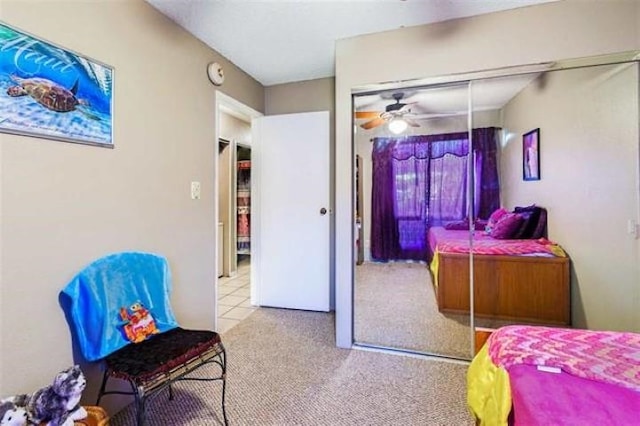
pixel 234 302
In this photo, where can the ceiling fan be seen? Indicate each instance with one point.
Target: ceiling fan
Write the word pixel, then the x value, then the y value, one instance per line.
pixel 398 111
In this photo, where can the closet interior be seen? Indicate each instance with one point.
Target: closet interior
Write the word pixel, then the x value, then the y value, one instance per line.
pixel 234 194
pixel 243 202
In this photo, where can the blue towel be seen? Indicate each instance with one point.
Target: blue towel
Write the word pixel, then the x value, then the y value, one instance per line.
pixel 96 295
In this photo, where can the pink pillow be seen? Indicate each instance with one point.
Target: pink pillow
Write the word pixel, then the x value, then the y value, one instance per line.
pixel 463 225
pixel 494 218
pixel 496 215
pixel 507 226
pixel 457 225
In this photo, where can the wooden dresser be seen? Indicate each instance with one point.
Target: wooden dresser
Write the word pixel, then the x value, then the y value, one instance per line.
pixel 517 288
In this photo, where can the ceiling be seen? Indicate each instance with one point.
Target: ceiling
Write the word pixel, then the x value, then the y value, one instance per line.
pixel 285 41
pixel 434 106
pixel 487 95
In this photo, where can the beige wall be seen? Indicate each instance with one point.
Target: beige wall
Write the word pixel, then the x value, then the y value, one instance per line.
pixel 64 205
pixel 588 120
pixel 309 96
pixel 232 128
pixel 534 34
pixel 301 96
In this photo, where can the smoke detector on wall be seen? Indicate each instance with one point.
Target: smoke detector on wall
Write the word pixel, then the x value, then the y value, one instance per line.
pixel 215 73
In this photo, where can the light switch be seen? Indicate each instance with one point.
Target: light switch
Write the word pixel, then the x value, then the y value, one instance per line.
pixel 195 190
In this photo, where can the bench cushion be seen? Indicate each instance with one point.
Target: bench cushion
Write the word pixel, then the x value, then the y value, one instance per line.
pixel 160 354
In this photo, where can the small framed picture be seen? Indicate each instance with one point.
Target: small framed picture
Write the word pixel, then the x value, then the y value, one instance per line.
pixel 531 155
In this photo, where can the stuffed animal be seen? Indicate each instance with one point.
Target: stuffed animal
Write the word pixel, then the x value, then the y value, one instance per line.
pixel 139 324
pixel 12 415
pixel 59 403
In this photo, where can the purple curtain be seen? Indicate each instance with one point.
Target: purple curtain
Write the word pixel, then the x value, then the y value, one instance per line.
pixel 421 181
pixel 384 240
pixel 487 186
pixel 448 200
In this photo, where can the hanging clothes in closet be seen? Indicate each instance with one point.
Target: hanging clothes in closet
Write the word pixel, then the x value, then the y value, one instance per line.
pixel 244 206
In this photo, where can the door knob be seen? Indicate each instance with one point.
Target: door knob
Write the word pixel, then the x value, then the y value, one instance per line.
pixel 323 211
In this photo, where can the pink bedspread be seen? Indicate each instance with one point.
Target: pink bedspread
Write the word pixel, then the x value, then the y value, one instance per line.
pixel 541 398
pixel 452 241
pixel 604 356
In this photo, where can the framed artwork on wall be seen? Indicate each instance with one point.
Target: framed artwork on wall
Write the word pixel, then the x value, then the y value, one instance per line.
pixel 50 92
pixel 531 155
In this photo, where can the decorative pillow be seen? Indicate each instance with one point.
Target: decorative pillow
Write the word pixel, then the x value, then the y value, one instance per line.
pixel 494 218
pixel 496 215
pixel 457 225
pixel 534 224
pixel 519 209
pixel 525 228
pixel 481 224
pixel 463 225
pixel 506 226
pixel 541 227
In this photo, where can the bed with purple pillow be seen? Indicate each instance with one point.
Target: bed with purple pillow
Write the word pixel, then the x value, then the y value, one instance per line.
pixel 519 274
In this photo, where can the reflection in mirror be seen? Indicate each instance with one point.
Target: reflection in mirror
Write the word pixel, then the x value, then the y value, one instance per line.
pixel 567 166
pixel 585 271
pixel 412 151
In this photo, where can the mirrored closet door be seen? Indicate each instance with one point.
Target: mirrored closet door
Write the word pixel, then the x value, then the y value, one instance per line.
pixel 412 149
pixel 511 199
pixel 569 167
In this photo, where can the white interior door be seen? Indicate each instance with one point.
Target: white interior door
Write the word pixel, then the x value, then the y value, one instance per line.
pixel 291 211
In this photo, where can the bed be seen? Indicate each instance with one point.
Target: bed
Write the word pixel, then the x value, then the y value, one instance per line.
pixel 535 375
pixel 524 280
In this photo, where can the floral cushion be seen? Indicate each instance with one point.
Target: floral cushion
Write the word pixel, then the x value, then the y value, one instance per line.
pixel 494 218
pixel 506 227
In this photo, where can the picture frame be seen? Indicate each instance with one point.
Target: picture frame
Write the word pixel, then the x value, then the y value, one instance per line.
pixel 531 155
pixel 47 91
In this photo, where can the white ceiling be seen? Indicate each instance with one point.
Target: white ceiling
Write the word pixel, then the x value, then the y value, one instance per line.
pixel 284 41
pixel 487 95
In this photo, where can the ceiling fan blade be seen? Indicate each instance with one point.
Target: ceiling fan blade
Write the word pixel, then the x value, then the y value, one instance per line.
pixel 407 107
pixel 435 115
pixel 410 122
pixel 367 114
pixel 373 123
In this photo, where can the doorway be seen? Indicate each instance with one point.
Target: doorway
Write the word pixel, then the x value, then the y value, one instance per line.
pixel 233 213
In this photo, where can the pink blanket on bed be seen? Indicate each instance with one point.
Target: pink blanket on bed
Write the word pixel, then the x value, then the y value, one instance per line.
pixel 544 399
pixel 604 356
pixel 451 241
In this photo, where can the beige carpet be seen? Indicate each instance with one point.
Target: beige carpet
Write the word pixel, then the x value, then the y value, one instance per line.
pixel 284 369
pixel 395 306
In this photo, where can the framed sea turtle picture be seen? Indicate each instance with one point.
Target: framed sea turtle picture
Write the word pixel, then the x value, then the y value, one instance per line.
pixel 49 92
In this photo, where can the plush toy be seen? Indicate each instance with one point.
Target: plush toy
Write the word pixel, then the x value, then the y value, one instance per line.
pixel 12 415
pixel 137 323
pixel 57 404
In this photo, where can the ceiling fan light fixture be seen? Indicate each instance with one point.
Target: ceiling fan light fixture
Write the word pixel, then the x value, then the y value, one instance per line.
pixel 397 126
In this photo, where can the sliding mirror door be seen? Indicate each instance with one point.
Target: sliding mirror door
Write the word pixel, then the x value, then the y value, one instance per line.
pixel 552 191
pixel 412 179
pixel 566 250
